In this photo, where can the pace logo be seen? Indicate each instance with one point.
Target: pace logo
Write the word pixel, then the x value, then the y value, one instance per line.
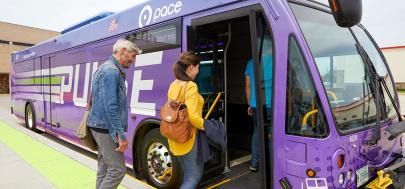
pixel 145 16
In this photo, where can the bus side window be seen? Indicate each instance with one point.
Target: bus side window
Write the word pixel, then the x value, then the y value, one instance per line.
pixel 304 116
pixel 157 38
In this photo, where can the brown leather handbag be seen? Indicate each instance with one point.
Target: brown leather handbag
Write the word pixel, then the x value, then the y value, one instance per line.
pixel 174 123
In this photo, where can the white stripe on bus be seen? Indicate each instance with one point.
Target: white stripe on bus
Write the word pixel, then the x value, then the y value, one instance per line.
pixel 37 89
pixel 143 111
pixel 149 59
pixel 45 72
pixel 39 97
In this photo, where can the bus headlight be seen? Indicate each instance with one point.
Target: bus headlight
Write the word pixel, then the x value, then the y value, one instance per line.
pixel 341 179
pixel 349 175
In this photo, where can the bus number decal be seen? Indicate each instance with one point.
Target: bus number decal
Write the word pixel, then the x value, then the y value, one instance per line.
pixel 353 138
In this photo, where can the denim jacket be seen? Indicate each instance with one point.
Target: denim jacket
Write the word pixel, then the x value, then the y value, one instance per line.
pixel 109 107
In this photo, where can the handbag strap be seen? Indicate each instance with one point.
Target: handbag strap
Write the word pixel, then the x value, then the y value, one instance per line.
pixel 90 103
pixel 184 93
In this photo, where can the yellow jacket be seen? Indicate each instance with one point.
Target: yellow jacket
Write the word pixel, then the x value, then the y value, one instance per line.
pixel 194 102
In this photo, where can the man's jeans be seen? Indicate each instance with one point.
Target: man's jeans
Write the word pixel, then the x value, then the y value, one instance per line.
pixel 192 169
pixel 111 165
pixel 255 137
pixel 255 141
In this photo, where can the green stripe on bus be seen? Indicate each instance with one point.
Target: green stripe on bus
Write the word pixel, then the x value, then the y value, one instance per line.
pixel 59 169
pixel 45 80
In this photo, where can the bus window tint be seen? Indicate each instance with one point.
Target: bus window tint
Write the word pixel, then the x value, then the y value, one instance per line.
pixel 379 65
pixel 305 116
pixel 157 38
pixel 341 68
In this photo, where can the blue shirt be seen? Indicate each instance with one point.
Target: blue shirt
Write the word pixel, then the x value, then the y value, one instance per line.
pixel 267 72
pixel 109 107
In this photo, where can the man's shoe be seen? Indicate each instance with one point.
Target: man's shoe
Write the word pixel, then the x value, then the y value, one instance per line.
pixel 253 168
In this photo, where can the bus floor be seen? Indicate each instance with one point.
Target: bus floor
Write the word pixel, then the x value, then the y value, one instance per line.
pixel 239 176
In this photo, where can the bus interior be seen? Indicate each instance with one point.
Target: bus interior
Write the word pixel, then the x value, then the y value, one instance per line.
pixel 224 48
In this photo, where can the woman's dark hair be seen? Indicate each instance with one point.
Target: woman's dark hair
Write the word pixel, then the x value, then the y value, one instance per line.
pixel 185 60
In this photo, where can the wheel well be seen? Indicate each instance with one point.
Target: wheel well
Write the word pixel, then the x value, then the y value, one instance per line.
pixel 26 104
pixel 144 127
pixel 25 107
pixel 33 127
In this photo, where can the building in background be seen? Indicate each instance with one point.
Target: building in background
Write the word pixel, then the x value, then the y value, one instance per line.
pixel 395 57
pixel 15 37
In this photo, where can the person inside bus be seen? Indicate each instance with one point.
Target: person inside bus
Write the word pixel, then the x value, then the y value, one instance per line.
pixel 185 70
pixel 108 117
pixel 266 60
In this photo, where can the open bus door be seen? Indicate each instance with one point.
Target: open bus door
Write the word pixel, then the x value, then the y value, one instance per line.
pixel 224 44
pixel 211 85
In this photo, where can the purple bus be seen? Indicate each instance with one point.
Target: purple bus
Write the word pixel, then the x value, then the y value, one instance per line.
pixel 333 120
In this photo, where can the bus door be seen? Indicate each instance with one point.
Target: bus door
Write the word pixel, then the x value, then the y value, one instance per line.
pixel 308 152
pixel 49 84
pixel 224 44
pixel 39 105
pixel 300 158
pixel 210 81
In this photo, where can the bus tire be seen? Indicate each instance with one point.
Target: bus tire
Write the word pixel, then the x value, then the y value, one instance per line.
pixel 160 168
pixel 30 118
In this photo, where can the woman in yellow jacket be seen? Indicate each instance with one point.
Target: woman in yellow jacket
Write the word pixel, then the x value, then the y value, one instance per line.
pixel 185 70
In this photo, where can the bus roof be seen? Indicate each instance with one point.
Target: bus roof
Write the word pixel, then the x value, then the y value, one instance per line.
pixel 145 14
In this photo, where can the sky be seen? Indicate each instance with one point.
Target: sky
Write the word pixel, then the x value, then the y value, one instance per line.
pixel 384 19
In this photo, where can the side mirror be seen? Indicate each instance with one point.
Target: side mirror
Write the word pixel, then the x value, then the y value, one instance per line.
pixel 347 13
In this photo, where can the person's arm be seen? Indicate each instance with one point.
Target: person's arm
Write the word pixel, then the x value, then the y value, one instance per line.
pixel 109 86
pixel 191 102
pixel 247 91
pixel 247 88
pixel 247 85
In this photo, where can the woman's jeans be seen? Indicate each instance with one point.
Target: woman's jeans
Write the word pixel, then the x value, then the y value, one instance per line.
pixel 192 169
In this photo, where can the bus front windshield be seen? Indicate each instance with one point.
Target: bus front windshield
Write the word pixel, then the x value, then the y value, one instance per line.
pixel 343 72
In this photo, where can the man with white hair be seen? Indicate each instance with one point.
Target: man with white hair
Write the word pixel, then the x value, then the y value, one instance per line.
pixel 108 117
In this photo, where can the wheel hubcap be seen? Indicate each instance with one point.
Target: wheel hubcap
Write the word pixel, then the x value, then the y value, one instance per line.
pixel 30 120
pixel 159 163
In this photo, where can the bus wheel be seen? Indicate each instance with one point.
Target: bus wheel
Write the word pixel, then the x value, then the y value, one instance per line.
pixel 30 121
pixel 160 168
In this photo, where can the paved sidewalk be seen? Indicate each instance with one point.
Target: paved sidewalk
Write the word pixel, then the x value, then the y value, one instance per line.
pixel 40 161
pixel 15 172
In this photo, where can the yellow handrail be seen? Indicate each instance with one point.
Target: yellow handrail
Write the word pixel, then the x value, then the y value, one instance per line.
pixel 313 106
pixel 212 106
pixel 313 115
pixel 305 119
pixel 332 94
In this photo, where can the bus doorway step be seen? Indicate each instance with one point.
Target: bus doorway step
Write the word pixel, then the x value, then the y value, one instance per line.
pixel 239 176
